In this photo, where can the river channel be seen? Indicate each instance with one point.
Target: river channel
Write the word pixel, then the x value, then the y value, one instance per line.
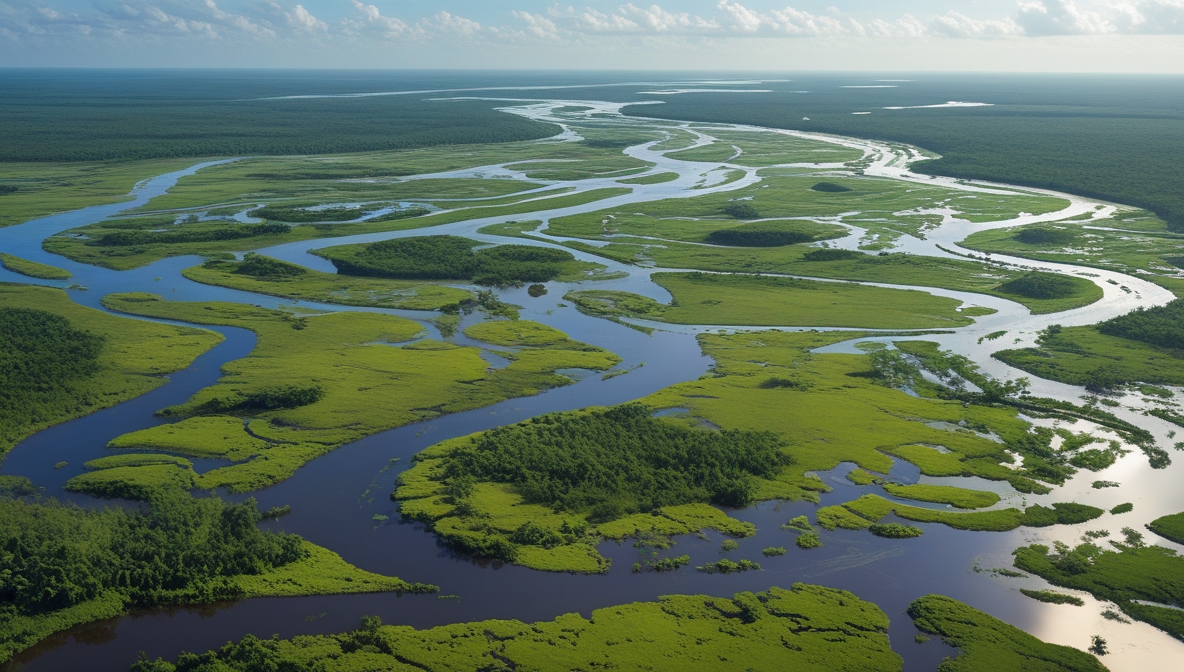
pixel 341 501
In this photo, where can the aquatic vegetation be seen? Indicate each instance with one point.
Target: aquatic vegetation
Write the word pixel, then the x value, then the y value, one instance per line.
pixel 725 566
pixel 315 382
pixel 729 545
pixel 453 258
pixel 863 512
pixel 861 477
pixel 772 551
pixel 1126 507
pixel 32 268
pixel 656 178
pixel 808 540
pixel 1133 571
pixel 1169 527
pixel 65 565
pixel 59 360
pixel 895 530
pixel 987 643
pixel 264 275
pixel 690 631
pixel 1053 597
pixel 798 523
pixel 961 498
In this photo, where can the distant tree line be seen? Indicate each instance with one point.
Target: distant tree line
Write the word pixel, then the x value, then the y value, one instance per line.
pixel 1162 325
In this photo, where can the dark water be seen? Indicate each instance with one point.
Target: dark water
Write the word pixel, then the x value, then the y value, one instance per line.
pixel 336 498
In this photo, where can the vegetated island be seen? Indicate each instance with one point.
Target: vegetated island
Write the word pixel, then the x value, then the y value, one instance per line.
pixel 453 258
pixel 33 269
pixel 65 565
pixel 318 381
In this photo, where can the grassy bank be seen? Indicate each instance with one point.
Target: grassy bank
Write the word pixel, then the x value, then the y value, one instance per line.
pixel 263 275
pixel 702 298
pixel 63 361
pixel 32 269
pixel 774 629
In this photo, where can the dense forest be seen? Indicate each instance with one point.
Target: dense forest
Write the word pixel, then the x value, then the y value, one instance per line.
pixel 1162 325
pixel 177 549
pixel 619 460
pixel 124 115
pixel 449 258
pixel 41 354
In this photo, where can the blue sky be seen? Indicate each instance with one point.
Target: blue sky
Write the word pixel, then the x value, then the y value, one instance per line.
pixel 996 35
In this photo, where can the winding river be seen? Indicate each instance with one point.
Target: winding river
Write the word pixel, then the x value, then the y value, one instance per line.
pixel 339 500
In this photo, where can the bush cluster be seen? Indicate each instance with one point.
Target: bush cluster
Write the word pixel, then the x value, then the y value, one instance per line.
pixel 452 258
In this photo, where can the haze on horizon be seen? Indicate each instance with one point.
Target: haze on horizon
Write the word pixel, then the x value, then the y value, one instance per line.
pixel 1138 36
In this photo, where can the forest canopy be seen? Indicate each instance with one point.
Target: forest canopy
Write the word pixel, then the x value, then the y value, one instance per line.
pixel 449 258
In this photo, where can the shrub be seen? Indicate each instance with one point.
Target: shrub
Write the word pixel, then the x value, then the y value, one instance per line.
pixel 259 266
pixel 830 188
pixel 1040 285
pixel 739 237
pixel 1162 326
pixel 1043 236
pixel 808 540
pixel 895 530
pixel 741 211
pixel 831 254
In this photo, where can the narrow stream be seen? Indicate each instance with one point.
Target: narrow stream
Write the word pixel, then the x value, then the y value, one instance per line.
pixel 339 500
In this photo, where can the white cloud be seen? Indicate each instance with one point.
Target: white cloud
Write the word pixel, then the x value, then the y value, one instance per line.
pixel 372 21
pixel 954 24
pixel 450 23
pixel 1061 17
pixel 537 25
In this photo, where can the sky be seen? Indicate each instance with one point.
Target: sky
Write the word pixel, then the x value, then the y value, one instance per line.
pixel 749 35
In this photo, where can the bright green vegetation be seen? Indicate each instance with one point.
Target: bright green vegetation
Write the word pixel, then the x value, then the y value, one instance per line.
pixel 1053 597
pixel 32 268
pixel 766 149
pixel 808 540
pixel 773 551
pixel 656 178
pixel 64 565
pixel 895 530
pixel 1087 356
pixel 729 545
pixel 158 237
pixel 453 258
pixel 793 629
pixel 59 360
pixel 1169 527
pixel 1131 572
pixel 702 298
pixel 944 494
pixel 861 477
pixel 725 566
pixel 264 275
pixel 988 644
pixel 862 513
pixel 1132 241
pixel 1126 507
pixel 315 382
pixel 590 474
pixel 40 189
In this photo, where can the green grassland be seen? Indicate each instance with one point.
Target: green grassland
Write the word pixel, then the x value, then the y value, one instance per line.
pixel 879 203
pixel 1132 241
pixel 62 361
pixel 32 269
pixel 961 498
pixel 47 188
pixel 89 244
pixel 378 176
pixel 544 492
pixel 315 382
pixel 702 298
pixel 1132 571
pixel 296 282
pixel 767 149
pixel 987 644
pixel 1085 356
pixel 453 258
pixel 65 565
pixel 794 629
